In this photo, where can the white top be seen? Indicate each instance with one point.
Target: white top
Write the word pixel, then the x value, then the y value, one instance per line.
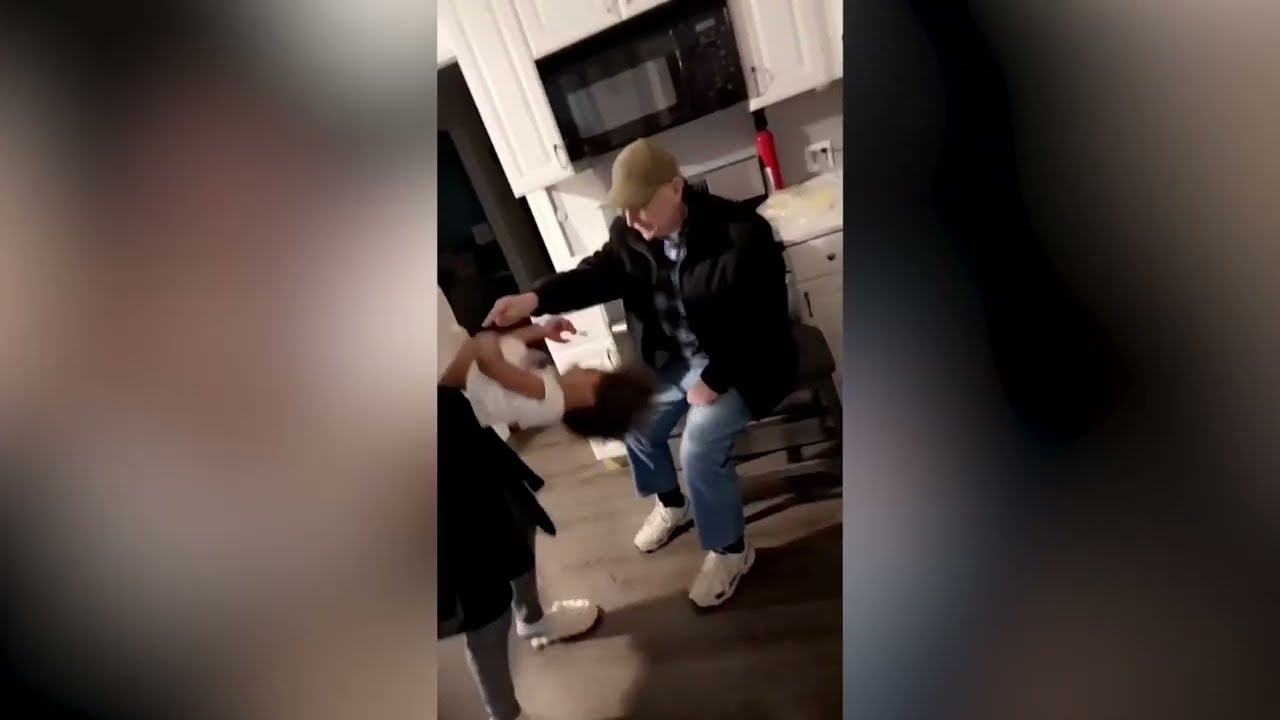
pixel 450 336
pixel 496 405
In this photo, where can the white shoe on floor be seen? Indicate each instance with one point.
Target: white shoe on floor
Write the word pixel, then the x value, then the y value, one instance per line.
pixel 564 620
pixel 719 576
pixel 661 524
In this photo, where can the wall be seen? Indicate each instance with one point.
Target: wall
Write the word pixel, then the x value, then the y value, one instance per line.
pixel 804 119
pixel 708 142
pixel 459 269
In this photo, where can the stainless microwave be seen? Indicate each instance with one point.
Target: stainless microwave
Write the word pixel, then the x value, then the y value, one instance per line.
pixel 660 69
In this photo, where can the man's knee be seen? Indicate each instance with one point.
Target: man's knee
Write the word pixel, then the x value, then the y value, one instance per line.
pixel 656 432
pixel 709 436
pixel 641 440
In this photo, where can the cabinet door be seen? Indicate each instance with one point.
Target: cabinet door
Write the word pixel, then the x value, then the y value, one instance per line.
pixel 444 46
pixel 835 23
pixel 496 63
pixel 551 222
pixel 604 449
pixel 783 45
pixel 631 8
pixel 822 305
pixel 554 24
pixel 593 323
pixel 816 258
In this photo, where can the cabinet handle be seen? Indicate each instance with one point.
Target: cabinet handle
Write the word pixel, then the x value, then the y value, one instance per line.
pixel 562 218
pixel 831 256
pixel 561 155
pixel 761 84
pixel 808 305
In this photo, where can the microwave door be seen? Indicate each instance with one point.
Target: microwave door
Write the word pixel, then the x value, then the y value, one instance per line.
pixel 616 107
pixel 605 102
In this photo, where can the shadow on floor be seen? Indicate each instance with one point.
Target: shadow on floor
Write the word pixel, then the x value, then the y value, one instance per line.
pixel 782 494
pixel 773 651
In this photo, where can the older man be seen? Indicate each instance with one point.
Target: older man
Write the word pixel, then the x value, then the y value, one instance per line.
pixel 703 283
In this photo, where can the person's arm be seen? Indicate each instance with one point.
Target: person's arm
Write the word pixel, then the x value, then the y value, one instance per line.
pixel 485 352
pixel 455 374
pixel 754 273
pixel 491 362
pixel 598 279
pixel 530 334
pixel 450 337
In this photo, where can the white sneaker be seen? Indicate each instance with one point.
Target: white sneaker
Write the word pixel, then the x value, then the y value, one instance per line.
pixel 661 524
pixel 719 577
pixel 564 620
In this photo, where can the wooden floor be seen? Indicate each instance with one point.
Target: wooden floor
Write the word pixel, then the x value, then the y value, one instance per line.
pixel 773 651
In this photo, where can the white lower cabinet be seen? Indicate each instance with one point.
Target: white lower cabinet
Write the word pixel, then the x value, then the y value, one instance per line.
pixel 816 278
pixel 823 307
pixel 599 356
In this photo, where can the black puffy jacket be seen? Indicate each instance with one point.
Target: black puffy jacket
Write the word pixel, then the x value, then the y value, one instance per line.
pixel 733 284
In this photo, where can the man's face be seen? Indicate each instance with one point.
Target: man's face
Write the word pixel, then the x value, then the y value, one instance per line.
pixel 662 216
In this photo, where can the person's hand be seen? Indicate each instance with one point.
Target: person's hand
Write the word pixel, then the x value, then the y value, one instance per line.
pixel 511 310
pixel 558 329
pixel 700 394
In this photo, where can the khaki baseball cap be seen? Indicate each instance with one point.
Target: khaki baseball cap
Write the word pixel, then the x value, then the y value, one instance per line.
pixel 639 170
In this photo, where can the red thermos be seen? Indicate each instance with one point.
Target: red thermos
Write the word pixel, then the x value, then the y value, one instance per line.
pixel 768 155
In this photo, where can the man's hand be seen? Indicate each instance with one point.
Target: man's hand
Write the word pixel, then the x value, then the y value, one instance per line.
pixel 700 394
pixel 554 330
pixel 511 310
pixel 558 329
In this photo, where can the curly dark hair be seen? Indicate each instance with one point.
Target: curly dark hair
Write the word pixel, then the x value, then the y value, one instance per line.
pixel 623 399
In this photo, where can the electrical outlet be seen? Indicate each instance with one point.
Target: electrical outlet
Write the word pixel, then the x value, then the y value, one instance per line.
pixel 820 157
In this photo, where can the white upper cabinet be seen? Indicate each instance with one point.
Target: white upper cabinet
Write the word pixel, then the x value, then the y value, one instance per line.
pixel 444 46
pixel 784 47
pixel 835 20
pixel 631 8
pixel 498 67
pixel 554 24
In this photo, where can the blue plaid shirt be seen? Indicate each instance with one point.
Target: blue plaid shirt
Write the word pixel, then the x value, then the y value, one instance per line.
pixel 667 299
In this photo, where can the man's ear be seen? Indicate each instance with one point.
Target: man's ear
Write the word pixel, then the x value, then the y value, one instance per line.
pixel 677 186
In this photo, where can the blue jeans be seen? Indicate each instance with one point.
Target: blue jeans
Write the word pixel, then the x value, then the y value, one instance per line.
pixel 706 451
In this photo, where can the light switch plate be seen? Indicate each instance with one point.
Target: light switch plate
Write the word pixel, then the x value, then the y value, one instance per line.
pixel 820 157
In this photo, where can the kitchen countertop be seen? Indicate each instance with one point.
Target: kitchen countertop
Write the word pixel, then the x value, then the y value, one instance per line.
pixel 806 211
pixel 814 229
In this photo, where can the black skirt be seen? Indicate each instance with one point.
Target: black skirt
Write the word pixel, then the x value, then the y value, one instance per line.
pixel 486 510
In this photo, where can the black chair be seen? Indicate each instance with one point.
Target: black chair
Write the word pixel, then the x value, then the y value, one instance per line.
pixel 806 425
